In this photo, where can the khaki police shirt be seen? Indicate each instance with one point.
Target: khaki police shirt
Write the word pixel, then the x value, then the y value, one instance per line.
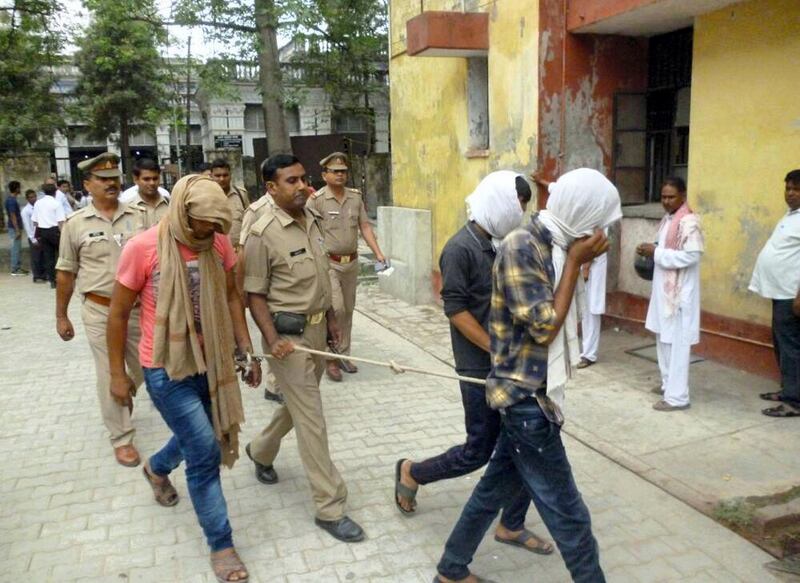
pixel 151 214
pixel 91 245
pixel 236 202
pixel 287 263
pixel 252 213
pixel 340 220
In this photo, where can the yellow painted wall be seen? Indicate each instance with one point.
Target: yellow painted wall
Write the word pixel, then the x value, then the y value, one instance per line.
pixel 745 137
pixel 430 169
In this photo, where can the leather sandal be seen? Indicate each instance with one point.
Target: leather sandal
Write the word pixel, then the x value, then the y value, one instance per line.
pixel 348 366
pixel 164 492
pixel 333 371
pixel 226 566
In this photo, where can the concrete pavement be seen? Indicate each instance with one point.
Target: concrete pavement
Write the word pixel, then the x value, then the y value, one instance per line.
pixel 70 513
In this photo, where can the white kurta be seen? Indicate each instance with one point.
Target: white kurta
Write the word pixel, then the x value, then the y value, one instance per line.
pixel 592 314
pixel 658 320
pixel 675 333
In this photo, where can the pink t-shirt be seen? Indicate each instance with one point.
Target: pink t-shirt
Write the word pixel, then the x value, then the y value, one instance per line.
pixel 138 271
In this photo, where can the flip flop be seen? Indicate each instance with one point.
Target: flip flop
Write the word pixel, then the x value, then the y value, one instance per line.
pixel 781 411
pixel 401 489
pixel 524 537
pixel 772 396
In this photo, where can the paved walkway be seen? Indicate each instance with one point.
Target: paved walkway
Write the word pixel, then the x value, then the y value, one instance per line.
pixel 69 513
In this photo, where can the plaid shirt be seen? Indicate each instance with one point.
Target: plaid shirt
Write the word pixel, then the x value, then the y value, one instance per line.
pixel 522 315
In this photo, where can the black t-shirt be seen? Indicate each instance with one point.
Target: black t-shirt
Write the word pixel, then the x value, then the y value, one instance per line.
pixel 466 266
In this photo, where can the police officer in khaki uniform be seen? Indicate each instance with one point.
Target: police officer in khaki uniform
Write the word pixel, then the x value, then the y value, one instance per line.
pixel 289 295
pixel 148 197
pixel 238 200
pixel 343 214
pixel 91 243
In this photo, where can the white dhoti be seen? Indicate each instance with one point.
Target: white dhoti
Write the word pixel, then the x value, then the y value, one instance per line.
pixel 673 362
pixel 592 317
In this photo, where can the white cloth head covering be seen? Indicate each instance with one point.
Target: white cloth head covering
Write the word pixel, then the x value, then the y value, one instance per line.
pixel 580 202
pixel 494 204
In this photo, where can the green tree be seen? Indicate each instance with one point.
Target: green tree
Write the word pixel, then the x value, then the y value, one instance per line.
pixel 29 111
pixel 123 85
pixel 345 40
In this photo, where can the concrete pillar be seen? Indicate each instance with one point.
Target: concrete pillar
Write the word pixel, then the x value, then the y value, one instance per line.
pixel 406 240
pixel 61 151
pixel 163 143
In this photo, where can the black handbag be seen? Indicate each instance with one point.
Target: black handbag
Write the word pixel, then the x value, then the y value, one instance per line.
pixel 289 323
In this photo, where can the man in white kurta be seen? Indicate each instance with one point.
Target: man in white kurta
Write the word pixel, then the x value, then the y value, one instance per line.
pixel 592 313
pixel 674 311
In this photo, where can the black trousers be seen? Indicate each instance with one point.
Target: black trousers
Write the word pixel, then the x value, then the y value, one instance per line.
pixel 37 260
pixel 483 427
pixel 49 239
pixel 786 338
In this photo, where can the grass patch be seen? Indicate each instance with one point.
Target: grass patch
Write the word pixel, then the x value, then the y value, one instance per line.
pixel 737 512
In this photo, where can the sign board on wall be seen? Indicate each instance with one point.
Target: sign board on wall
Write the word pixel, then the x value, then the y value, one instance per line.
pixel 228 141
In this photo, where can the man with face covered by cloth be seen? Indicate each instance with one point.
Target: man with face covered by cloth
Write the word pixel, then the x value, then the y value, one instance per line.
pixel 182 272
pixel 533 329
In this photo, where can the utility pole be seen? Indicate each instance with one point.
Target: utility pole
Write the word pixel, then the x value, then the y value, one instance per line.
pixel 188 164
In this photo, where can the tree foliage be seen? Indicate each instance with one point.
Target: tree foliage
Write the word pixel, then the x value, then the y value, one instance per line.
pixel 123 84
pixel 29 111
pixel 344 46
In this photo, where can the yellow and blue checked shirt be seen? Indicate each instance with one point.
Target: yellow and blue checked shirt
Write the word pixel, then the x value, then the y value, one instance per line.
pixel 522 315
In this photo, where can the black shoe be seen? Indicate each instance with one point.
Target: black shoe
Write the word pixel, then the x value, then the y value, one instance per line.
pixel 343 529
pixel 270 396
pixel 264 474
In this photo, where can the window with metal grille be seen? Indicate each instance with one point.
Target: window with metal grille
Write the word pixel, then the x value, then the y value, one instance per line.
pixel 651 129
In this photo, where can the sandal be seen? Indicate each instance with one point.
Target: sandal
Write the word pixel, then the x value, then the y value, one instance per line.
pixel 401 489
pixel 227 565
pixel 781 411
pixel 773 396
pixel 542 546
pixel 164 493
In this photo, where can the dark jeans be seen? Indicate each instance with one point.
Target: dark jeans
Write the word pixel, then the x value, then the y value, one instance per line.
pixel 186 407
pixel 49 239
pixel 37 260
pixel 786 338
pixel 529 455
pixel 483 427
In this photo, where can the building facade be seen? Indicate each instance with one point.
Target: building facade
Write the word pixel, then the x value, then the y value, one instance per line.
pixel 638 89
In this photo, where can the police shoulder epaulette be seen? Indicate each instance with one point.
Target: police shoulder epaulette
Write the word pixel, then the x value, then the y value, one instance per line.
pixel 74 214
pixel 261 224
pixel 354 191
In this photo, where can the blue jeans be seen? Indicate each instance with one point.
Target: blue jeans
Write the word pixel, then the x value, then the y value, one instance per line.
pixel 529 455
pixel 16 249
pixel 186 408
pixel 483 427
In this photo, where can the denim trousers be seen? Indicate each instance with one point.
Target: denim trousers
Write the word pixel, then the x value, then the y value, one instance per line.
pixel 483 426
pixel 185 406
pixel 16 249
pixel 529 455
pixel 786 340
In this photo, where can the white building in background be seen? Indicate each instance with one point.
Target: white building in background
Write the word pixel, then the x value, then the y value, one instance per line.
pixel 232 123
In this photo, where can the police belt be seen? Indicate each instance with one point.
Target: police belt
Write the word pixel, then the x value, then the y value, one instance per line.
pixel 103 300
pixel 343 259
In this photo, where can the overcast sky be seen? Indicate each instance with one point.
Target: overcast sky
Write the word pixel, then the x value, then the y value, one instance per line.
pixel 75 15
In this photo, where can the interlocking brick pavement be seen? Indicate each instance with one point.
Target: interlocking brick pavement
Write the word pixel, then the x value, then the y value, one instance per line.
pixel 70 513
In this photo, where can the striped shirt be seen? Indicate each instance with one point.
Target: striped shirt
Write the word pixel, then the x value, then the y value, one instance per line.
pixel 522 315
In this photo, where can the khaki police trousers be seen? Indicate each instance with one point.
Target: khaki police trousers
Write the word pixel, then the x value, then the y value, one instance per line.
pixel 116 417
pixel 298 377
pixel 344 281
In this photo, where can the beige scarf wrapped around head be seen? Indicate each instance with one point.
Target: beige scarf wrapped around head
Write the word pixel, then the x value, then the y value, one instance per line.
pixel 176 345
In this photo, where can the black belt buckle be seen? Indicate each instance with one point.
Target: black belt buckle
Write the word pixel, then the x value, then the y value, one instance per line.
pixel 549 407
